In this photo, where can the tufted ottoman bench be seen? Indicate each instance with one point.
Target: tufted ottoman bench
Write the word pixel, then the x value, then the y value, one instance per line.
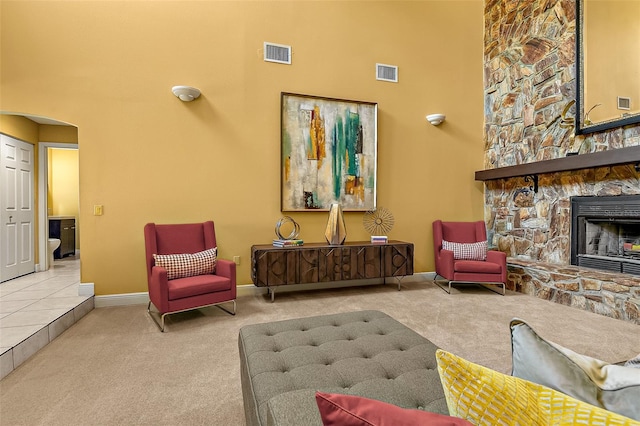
pixel 365 353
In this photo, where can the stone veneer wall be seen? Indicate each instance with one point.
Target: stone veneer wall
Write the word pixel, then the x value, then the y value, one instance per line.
pixel 529 80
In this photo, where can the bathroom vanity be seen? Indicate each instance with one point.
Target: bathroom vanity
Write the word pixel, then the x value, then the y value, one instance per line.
pixel 64 229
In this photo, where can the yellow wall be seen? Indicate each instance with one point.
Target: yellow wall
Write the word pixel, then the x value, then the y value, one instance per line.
pixel 19 127
pixel 612 63
pixel 64 181
pixel 107 67
pixel 63 185
pixel 58 134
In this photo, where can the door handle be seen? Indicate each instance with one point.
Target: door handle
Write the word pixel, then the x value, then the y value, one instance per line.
pixel 10 218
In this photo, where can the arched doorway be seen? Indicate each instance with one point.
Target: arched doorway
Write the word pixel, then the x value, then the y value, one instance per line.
pixel 43 134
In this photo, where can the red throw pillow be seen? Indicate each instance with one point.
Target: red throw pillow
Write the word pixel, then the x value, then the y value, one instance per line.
pixel 350 410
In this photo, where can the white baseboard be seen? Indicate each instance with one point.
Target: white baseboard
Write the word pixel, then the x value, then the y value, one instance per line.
pixel 142 298
pixel 246 290
pixel 86 289
pixel 425 276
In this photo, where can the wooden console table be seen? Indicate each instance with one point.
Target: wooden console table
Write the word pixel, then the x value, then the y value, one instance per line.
pixel 318 262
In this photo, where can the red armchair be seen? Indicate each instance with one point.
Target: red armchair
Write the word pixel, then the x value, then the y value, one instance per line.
pixel 465 266
pixel 180 294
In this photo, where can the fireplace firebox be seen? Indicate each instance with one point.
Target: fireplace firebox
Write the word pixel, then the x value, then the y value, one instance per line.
pixel 605 233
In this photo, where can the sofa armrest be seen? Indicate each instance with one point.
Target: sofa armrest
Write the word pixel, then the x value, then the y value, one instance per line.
pixel 444 264
pixel 159 289
pixel 499 257
pixel 495 256
pixel 226 268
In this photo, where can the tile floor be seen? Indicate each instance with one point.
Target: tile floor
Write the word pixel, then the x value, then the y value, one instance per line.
pixel 37 308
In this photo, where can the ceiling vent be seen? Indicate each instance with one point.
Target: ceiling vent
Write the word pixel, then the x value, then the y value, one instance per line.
pixel 624 103
pixel 387 73
pixel 279 53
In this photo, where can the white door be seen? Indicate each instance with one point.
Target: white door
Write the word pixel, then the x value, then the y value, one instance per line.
pixel 16 208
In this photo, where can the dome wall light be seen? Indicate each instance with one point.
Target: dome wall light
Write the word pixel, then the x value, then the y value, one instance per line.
pixel 435 119
pixel 185 93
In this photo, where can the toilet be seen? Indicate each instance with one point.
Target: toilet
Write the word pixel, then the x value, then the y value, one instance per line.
pixel 54 243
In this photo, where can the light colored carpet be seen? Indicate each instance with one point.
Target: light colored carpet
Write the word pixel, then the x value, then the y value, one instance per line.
pixel 114 367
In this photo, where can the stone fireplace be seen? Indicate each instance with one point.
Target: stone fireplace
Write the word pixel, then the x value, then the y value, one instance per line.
pixel 605 233
pixel 529 81
pixel 535 230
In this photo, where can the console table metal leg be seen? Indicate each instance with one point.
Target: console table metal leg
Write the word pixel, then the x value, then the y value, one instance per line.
pixel 272 292
pixel 399 278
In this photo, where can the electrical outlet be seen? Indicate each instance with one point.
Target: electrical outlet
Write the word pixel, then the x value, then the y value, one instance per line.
pixel 236 260
pixel 97 210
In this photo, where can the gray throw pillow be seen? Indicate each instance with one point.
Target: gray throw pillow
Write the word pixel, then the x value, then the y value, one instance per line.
pixel 633 362
pixel 613 387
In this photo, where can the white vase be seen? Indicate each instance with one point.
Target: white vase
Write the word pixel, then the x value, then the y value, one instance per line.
pixel 336 231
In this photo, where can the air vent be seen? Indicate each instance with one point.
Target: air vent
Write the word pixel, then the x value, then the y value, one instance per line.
pixel 603 264
pixel 387 73
pixel 279 53
pixel 631 268
pixel 624 103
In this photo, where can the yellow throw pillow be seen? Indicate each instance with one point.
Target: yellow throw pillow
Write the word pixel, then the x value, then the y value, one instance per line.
pixel 486 397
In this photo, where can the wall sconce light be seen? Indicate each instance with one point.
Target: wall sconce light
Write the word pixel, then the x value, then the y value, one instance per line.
pixel 435 119
pixel 185 93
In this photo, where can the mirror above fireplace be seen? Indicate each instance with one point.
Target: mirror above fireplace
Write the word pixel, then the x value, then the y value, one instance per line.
pixel 607 65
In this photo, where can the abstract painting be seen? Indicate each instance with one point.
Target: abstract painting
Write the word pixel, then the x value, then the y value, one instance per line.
pixel 328 153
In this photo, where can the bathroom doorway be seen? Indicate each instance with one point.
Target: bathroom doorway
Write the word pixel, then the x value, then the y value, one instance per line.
pixel 58 188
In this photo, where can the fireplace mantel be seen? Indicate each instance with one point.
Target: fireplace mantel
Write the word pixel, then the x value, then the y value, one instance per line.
pixel 611 157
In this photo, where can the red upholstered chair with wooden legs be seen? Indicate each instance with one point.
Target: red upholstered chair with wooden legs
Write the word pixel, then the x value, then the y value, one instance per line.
pixel 191 276
pixel 461 255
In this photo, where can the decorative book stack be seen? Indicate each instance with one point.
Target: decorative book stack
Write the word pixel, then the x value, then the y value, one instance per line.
pixel 631 247
pixel 287 243
pixel 379 239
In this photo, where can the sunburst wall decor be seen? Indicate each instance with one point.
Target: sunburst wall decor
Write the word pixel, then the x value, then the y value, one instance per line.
pixel 378 222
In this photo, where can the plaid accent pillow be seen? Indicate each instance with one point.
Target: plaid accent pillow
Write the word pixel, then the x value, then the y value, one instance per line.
pixel 467 251
pixel 188 264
